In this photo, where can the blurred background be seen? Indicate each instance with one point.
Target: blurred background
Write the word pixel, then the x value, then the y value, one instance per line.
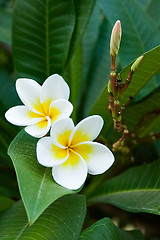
pixel 87 73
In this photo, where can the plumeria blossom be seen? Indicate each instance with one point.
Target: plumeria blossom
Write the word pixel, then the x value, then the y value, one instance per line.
pixel 43 105
pixel 71 153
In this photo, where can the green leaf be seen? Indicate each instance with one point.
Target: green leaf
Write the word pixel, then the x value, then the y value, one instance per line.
pixel 83 11
pixel 144 3
pixel 74 76
pixel 62 220
pixel 5 26
pixel 140 193
pixel 37 187
pixel 100 67
pixel 5 203
pixel 7 86
pixel 149 67
pixel 89 41
pixel 7 131
pixel 143 109
pixel 105 229
pixel 42 32
pixel 152 9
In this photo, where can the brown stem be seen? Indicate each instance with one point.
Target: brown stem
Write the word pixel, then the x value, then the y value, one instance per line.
pixel 118 145
pixel 113 63
pixel 125 133
pixel 126 104
pixel 127 82
pixel 113 78
pixel 111 101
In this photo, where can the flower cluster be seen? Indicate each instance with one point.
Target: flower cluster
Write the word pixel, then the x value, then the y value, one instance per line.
pixel 69 149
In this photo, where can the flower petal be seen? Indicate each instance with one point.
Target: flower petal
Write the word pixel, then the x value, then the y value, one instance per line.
pixel 60 109
pixel 50 155
pixel 54 88
pixel 39 129
pixel 86 130
pixel 97 156
pixel 22 116
pixel 61 131
pixel 72 173
pixel 29 93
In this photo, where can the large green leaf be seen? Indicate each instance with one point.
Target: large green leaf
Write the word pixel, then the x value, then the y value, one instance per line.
pixel 83 11
pixel 5 25
pixel 143 110
pixel 144 3
pixel 7 131
pixel 7 87
pixel 105 229
pixel 62 220
pixel 88 46
pixel 140 193
pixel 37 187
pixel 46 34
pixel 152 9
pixel 42 32
pixel 100 66
pixel 149 67
pixel 89 41
pixel 74 78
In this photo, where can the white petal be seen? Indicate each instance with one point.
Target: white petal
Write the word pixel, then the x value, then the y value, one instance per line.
pixel 97 156
pixel 87 130
pixel 54 88
pixel 22 116
pixel 40 129
pixel 61 131
pixel 60 109
pixel 29 93
pixel 71 174
pixel 50 155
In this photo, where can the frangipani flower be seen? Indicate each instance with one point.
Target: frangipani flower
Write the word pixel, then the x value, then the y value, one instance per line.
pixel 71 153
pixel 43 105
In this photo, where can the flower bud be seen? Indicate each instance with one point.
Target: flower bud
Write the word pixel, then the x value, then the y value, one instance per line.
pixel 109 87
pixel 115 38
pixel 137 63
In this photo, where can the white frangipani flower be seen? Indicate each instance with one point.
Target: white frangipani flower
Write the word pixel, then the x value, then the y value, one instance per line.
pixel 43 105
pixel 71 153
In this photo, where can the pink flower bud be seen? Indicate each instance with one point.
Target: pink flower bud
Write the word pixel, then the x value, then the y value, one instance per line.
pixel 115 38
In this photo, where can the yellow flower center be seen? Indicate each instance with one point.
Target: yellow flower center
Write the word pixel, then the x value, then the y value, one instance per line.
pixel 72 148
pixel 44 110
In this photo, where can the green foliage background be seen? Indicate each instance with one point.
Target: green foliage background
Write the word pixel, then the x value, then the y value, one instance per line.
pixel 71 38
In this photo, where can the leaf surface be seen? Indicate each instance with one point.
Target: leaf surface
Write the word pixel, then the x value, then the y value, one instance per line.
pixel 37 187
pixel 62 220
pixel 5 26
pixel 144 114
pixel 140 193
pixel 105 229
pixel 42 32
